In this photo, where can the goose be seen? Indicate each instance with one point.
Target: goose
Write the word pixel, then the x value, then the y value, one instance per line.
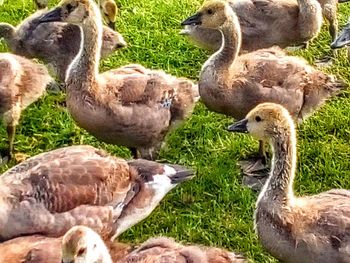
pixel 108 8
pixel 22 82
pixel 131 106
pixel 233 85
pixel 109 12
pixel 81 244
pixel 55 43
pixel 43 249
pixel 265 23
pixel 53 191
pixel 295 229
pixel 162 249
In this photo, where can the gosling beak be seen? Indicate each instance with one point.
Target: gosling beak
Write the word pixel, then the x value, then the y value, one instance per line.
pixel 196 19
pixel 239 126
pixel 182 174
pixel 52 16
pixel 121 42
pixel 111 25
pixel 184 32
pixel 122 45
pixel 343 38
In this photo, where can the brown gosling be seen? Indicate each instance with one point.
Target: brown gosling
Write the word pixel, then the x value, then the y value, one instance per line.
pixel 130 106
pixel 108 8
pixel 309 229
pixel 22 82
pixel 211 38
pixel 81 244
pixel 109 12
pixel 233 85
pixel 42 249
pixel 265 23
pixel 51 192
pixel 54 43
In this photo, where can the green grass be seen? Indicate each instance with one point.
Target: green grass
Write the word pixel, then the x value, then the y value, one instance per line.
pixel 212 209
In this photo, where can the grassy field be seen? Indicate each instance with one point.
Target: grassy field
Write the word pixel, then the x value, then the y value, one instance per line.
pixel 212 209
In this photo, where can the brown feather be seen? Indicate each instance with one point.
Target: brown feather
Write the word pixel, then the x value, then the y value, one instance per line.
pixel 51 192
pixel 55 43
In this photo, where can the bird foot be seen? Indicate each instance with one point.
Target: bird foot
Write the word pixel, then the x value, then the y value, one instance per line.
pixel 255 172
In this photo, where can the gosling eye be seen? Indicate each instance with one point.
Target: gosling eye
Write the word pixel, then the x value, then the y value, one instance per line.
pixel 81 251
pixel 210 12
pixel 258 119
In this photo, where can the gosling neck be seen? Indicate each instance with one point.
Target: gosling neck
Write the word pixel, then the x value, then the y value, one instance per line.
pixel 84 68
pixel 310 18
pixel 7 32
pixel 279 187
pixel 104 256
pixel 231 44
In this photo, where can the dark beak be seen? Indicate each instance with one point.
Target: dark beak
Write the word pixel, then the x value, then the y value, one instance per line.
pixel 239 126
pixel 52 16
pixel 121 45
pixel 111 25
pixel 193 20
pixel 343 38
pixel 182 174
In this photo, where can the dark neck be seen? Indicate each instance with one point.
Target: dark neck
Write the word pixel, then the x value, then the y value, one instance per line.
pixel 84 68
pixel 279 187
pixel 231 43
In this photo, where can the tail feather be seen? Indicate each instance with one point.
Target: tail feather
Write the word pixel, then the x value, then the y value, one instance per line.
pixel 343 1
pixel 314 98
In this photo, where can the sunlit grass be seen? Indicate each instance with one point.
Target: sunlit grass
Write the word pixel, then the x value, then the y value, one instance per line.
pixel 212 209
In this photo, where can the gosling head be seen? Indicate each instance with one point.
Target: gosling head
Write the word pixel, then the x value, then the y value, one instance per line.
pixel 109 11
pixel 72 11
pixel 343 38
pixel 7 31
pixel 41 4
pixel 83 245
pixel 213 14
pixel 265 121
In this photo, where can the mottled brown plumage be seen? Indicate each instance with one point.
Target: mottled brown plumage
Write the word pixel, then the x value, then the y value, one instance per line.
pixel 51 192
pixel 234 85
pixel 55 43
pixel 162 249
pixel 81 244
pixel 22 82
pixel 265 23
pixel 42 249
pixel 310 229
pixel 31 249
pixel 131 106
